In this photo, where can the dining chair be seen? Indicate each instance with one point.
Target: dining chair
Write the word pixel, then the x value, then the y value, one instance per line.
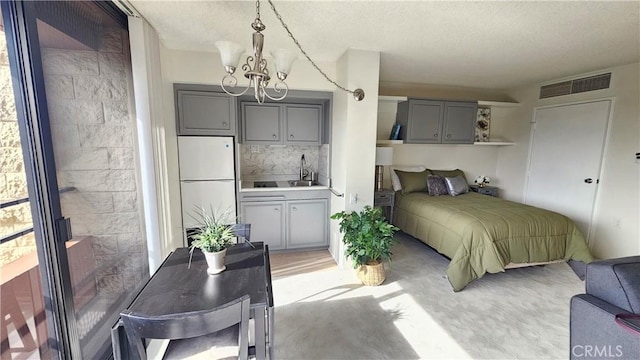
pixel 243 231
pixel 221 332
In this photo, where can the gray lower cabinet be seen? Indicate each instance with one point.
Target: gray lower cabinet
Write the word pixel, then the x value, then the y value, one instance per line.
pixel 298 221
pixel 267 221
pixel 306 227
pixel 436 122
pixel 288 124
pixel 201 112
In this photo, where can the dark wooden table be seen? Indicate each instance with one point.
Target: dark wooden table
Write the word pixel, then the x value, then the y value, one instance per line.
pixel 175 288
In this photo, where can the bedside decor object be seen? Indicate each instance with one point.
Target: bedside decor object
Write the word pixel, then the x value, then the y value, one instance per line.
pixel 482 180
pixel 213 238
pixel 256 66
pixel 384 156
pixel 368 238
pixel 395 132
pixel 483 122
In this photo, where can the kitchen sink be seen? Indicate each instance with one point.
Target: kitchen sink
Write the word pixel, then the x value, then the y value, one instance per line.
pixel 297 183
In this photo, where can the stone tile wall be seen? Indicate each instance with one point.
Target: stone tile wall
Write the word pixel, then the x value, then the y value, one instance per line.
pixel 13 182
pixel 94 141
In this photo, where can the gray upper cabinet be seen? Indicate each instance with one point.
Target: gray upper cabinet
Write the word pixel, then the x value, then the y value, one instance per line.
pixel 289 124
pixel 261 123
pixel 205 113
pixel 421 121
pixel 459 122
pixel 435 122
pixel 303 124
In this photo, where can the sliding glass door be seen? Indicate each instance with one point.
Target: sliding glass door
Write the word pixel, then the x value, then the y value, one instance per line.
pixel 78 114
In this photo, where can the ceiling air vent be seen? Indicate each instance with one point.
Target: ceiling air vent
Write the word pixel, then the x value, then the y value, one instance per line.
pixel 590 83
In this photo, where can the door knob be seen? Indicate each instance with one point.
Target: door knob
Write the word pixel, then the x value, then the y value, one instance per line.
pixel 588 180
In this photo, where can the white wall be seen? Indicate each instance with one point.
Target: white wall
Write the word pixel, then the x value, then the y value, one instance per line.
pixel 353 138
pixel 618 196
pixel 205 68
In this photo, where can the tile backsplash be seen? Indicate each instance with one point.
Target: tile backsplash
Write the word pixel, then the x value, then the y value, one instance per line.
pixel 268 161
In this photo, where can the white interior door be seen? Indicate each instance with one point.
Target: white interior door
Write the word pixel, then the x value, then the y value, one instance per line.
pixel 566 157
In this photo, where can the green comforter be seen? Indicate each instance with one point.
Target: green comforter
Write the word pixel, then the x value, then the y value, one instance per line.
pixel 481 234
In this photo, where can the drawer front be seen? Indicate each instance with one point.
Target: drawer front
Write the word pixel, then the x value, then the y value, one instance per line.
pixel 486 191
pixel 384 199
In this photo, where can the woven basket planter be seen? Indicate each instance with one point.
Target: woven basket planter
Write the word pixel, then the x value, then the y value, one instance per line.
pixel 371 274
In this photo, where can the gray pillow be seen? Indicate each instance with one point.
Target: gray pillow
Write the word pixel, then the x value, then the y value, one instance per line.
pixel 436 185
pixel 456 185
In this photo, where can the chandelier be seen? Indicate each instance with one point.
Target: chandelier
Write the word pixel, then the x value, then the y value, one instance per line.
pixel 255 66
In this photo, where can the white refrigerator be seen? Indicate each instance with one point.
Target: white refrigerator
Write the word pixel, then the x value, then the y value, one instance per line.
pixel 207 177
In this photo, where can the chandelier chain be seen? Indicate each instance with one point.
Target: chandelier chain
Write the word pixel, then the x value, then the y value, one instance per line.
pixel 257 9
pixel 300 47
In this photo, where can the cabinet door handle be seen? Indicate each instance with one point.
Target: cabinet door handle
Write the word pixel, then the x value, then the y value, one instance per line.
pixel 435 135
pixel 291 136
pixel 276 209
pixel 294 208
pixel 448 136
pixel 224 124
pixel 274 136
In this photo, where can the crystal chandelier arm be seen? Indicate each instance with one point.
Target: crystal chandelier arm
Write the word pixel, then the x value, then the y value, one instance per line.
pixel 358 94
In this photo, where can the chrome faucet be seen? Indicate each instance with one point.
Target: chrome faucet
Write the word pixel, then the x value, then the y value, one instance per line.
pixel 303 171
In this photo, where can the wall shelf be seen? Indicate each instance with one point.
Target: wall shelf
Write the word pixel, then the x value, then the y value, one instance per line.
pixel 389 142
pixel 392 98
pixel 497 104
pixel 494 143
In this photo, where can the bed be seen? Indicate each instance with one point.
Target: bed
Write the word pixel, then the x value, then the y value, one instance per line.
pixel 481 234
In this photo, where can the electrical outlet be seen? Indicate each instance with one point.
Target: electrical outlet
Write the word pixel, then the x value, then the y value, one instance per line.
pixel 353 198
pixel 255 149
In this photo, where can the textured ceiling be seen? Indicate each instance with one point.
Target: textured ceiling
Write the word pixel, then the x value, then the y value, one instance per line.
pixel 481 44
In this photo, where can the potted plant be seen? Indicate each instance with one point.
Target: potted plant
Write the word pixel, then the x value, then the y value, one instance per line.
pixel 368 238
pixel 214 237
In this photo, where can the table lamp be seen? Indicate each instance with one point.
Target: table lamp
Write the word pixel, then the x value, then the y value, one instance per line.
pixel 384 156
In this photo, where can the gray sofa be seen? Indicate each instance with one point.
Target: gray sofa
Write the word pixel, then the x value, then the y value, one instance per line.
pixel 612 287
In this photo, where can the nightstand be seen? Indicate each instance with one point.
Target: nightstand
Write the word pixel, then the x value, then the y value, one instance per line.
pixel 385 198
pixel 487 190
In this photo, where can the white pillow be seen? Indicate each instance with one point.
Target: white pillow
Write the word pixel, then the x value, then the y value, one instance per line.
pixel 395 181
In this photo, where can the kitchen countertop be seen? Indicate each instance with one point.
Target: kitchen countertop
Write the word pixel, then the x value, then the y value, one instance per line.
pixel 247 185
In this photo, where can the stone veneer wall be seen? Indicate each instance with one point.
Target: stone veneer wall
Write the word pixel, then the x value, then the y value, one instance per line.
pixel 272 161
pixel 93 131
pixel 13 181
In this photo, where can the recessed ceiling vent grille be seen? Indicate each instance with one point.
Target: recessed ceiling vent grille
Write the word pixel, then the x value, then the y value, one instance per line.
pixel 591 83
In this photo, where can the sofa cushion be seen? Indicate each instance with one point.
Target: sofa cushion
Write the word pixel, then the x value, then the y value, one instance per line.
pixel 616 281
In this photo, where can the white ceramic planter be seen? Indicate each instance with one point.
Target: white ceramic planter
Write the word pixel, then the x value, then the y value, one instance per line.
pixel 215 261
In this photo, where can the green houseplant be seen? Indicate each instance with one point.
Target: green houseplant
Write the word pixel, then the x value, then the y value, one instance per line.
pixel 368 239
pixel 215 235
